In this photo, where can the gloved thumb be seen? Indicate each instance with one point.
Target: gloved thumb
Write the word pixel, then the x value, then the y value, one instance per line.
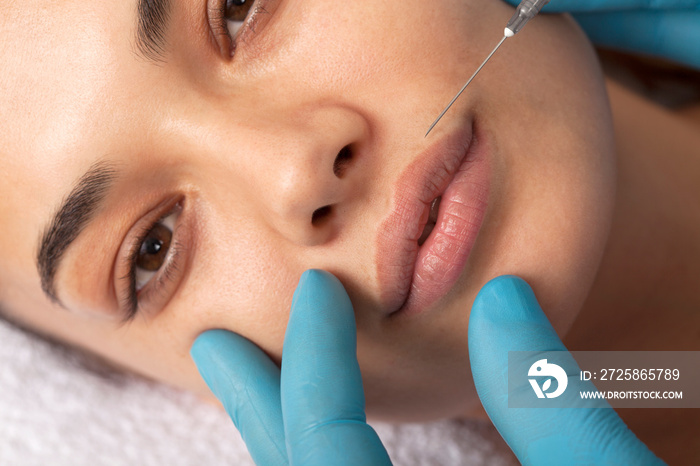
pixel 507 317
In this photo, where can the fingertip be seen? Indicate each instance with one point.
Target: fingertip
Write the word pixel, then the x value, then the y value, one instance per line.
pixel 506 317
pixel 318 278
pixel 206 342
pixel 315 274
pixel 318 290
pixel 504 282
pixel 506 299
pixel 313 279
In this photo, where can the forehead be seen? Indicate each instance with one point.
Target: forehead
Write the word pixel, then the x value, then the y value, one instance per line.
pixel 58 59
pixel 69 68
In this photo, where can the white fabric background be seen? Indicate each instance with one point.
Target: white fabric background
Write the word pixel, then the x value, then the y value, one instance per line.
pixel 58 407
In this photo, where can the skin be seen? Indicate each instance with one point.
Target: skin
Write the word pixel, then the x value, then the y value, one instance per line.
pixel 645 297
pixel 250 143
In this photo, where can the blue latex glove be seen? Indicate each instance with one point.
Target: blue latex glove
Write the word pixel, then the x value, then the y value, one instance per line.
pixel 313 412
pixel 665 28
pixel 506 317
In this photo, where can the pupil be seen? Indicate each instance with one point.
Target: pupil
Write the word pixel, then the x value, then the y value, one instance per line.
pixel 153 245
pixel 154 248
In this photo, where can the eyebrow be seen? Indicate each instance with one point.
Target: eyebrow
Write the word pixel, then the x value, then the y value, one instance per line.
pixel 74 214
pixel 152 19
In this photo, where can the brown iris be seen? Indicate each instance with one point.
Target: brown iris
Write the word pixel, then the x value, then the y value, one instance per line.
pixel 154 248
pixel 237 10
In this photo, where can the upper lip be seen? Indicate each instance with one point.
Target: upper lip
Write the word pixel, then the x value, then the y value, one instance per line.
pixel 419 184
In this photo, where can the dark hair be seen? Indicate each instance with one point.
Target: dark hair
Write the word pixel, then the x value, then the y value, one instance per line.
pixel 666 83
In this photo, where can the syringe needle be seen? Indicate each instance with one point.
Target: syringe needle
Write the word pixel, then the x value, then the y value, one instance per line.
pixel 464 87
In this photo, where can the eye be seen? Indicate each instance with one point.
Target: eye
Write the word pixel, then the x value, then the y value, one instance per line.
pixel 233 22
pixel 153 251
pixel 153 258
pixel 236 13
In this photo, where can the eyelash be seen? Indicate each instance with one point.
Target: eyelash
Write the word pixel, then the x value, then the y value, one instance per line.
pixel 165 274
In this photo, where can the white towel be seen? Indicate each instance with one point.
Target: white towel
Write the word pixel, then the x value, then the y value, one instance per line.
pixel 59 407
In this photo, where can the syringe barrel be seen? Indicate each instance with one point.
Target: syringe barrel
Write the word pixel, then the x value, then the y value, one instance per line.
pixel 524 13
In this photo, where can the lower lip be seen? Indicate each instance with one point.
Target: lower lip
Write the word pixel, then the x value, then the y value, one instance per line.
pixel 445 252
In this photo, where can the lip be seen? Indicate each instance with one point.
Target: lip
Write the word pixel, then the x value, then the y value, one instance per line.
pixel 412 278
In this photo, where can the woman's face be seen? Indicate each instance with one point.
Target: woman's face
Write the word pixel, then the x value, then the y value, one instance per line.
pixel 224 178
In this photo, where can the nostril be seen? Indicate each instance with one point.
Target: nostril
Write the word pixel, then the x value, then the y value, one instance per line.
pixel 320 214
pixel 341 161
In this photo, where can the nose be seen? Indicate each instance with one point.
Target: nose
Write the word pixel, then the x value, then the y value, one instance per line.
pixel 313 176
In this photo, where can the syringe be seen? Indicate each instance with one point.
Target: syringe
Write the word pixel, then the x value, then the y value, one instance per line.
pixel 524 13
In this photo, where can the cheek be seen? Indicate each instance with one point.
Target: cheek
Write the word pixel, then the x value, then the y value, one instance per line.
pixel 244 286
pixel 554 165
pixel 550 220
pixel 244 308
pixel 236 287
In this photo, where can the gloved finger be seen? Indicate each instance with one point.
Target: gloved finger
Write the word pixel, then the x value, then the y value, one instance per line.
pixel 572 6
pixel 247 383
pixel 323 401
pixel 507 317
pixel 670 34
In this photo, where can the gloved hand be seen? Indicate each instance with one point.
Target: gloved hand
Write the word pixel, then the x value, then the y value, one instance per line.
pixel 321 420
pixel 506 317
pixel 313 413
pixel 665 28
